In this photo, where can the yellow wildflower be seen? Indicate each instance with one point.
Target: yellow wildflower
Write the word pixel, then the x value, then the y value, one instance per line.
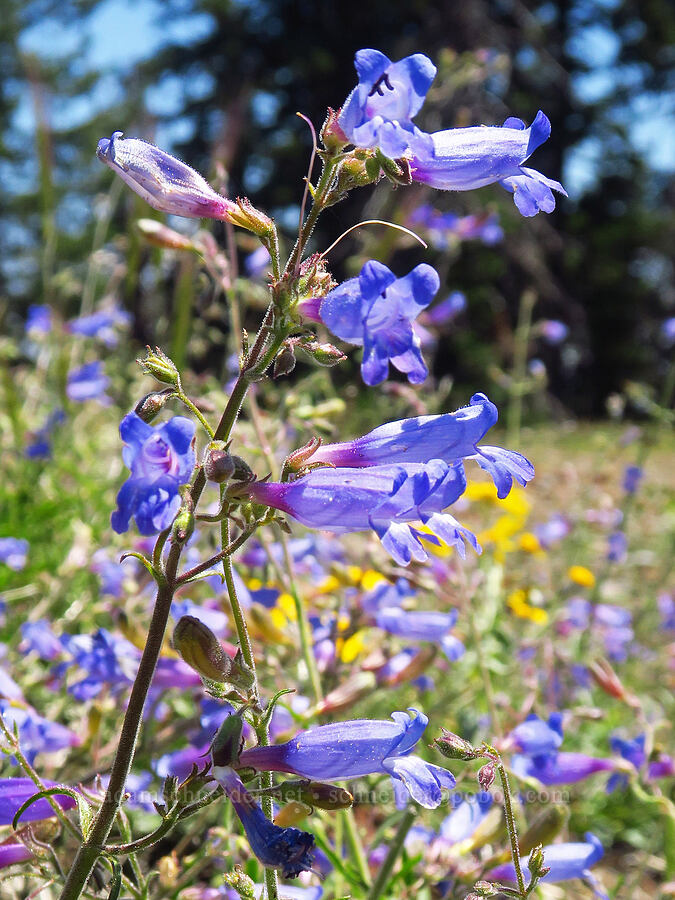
pixel 581 575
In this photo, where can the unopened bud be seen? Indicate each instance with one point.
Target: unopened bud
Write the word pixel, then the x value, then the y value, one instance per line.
pixel 332 135
pixel 247 216
pixel 163 181
pixel 324 354
pixel 483 889
pixel 161 235
pixel 536 862
pixel 348 693
pixel 240 882
pixel 293 812
pixel 218 464
pixel 397 170
pixel 152 404
pixel 284 362
pixel 158 364
pixel 201 650
pixel 227 744
pixel 356 171
pixel 607 679
pixel 452 746
pixel 184 523
pixel 242 470
pixel 486 776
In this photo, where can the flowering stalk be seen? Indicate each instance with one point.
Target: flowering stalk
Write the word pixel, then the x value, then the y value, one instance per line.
pixel 259 358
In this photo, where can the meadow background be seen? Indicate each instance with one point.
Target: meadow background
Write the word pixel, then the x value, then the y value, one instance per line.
pixel 566 321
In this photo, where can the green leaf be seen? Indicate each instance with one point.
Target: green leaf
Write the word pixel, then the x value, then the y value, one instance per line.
pixel 39 795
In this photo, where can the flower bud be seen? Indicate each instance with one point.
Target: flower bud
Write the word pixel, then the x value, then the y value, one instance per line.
pixel 324 354
pixel 239 881
pixel 452 746
pixel 218 464
pixel 152 404
pixel 284 362
pixel 200 648
pixel 314 279
pixel 483 889
pixel 536 863
pixel 292 813
pixel 158 364
pixel 607 679
pixel 228 742
pixel 184 523
pixel 486 776
pixel 332 136
pixel 348 693
pixel 397 170
pixel 160 235
pixel 357 170
pixel 242 470
pixel 163 181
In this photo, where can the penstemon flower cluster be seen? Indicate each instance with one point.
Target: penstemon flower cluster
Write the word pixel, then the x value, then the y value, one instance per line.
pixel 399 481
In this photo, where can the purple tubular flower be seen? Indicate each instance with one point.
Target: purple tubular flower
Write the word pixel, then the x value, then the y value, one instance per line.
pixel 376 311
pixel 14 552
pixel 617 547
pixel 100 324
pixel 447 309
pixel 465 818
pixel 552 331
pixel 39 638
pixel 468 158
pixel 15 791
pixel 88 383
pixel 13 852
pixel 560 768
pixel 379 111
pixel 39 319
pixel 163 181
pixel 421 625
pixel 632 476
pixel 37 734
pixel 450 437
pixel 534 736
pixel 161 460
pixel 287 849
pixel 384 498
pixel 565 862
pixel 352 749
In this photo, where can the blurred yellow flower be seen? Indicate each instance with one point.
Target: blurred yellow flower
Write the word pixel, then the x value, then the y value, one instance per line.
pixel 581 575
pixel 530 544
pixel 518 604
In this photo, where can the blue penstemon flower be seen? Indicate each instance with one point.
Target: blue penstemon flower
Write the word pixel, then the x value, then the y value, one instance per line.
pixel 379 111
pixel 364 492
pixel 467 158
pixel 161 460
pixel 287 849
pixel 344 750
pixel 376 311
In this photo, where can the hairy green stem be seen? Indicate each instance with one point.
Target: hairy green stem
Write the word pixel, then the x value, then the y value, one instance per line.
pixel 395 847
pixel 320 195
pixel 511 825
